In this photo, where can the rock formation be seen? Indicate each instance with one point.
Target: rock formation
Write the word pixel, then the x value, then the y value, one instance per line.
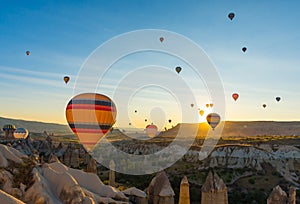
pixel 136 196
pixel 278 196
pixel 160 190
pixel 92 166
pixel 184 196
pixel 214 190
pixel 112 177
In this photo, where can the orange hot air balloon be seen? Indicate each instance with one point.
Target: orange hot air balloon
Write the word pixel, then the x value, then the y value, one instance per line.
pixel 161 39
pixel 201 112
pixel 151 130
pixel 211 105
pixel 207 105
pixel 213 119
pixel 235 96
pixel 91 116
pixel 27 52
pixel 66 79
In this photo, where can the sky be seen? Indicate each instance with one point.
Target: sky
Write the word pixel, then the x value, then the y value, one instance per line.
pixel 61 35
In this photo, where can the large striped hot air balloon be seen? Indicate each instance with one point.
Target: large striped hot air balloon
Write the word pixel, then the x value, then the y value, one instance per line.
pixel 213 119
pixel 91 116
pixel 151 130
pixel 20 133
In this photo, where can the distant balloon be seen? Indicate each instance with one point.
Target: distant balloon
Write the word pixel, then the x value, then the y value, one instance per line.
pixel 231 16
pixel 207 105
pixel 129 123
pixel 278 98
pixel 192 105
pixel 20 133
pixel 91 116
pixel 135 111
pixel 178 69
pixel 211 105
pixel 27 52
pixel 66 79
pixel 244 49
pixel 264 105
pixel 201 112
pixel 235 96
pixel 151 130
pixel 170 120
pixel 161 39
pixel 213 119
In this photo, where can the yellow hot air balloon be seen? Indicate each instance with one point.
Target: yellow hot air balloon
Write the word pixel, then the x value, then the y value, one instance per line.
pixel 201 112
pixel 91 116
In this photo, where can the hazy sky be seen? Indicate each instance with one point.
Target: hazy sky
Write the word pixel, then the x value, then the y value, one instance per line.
pixel 61 35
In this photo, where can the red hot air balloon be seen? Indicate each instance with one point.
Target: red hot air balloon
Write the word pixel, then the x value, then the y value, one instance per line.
pixel 213 119
pixel 151 130
pixel 235 96
pixel 161 39
pixel 90 116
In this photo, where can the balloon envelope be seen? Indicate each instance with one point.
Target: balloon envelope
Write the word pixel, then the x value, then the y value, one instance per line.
pixel 170 120
pixel 27 52
pixel 201 112
pixel 264 105
pixel 90 116
pixel 244 49
pixel 235 96
pixel 213 119
pixel 231 15
pixel 151 130
pixel 211 105
pixel 278 98
pixel 207 105
pixel 192 105
pixel 178 69
pixel 66 79
pixel 161 39
pixel 20 133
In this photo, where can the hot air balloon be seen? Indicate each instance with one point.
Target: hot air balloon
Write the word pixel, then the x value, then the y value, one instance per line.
pixel 170 120
pixel 129 123
pixel 178 69
pixel 27 52
pixel 90 116
pixel 161 39
pixel 231 16
pixel 201 112
pixel 213 119
pixel 151 130
pixel 207 105
pixel 264 105
pixel 192 105
pixel 20 133
pixel 244 49
pixel 211 105
pixel 235 96
pixel 135 111
pixel 66 79
pixel 9 130
pixel 278 98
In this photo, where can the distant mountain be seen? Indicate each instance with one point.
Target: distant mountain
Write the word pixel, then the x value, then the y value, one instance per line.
pixel 243 129
pixel 37 127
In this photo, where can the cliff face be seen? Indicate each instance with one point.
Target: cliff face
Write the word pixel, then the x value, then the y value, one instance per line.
pixel 214 190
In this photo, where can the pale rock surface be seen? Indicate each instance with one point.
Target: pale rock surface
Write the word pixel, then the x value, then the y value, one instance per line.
pixel 277 196
pixel 5 198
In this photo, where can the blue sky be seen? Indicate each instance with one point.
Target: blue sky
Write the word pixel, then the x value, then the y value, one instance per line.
pixel 62 34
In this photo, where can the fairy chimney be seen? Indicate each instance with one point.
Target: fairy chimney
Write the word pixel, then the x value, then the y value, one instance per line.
pixel 292 195
pixel 92 166
pixel 184 196
pixel 214 190
pixel 160 190
pixel 112 176
pixel 277 196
